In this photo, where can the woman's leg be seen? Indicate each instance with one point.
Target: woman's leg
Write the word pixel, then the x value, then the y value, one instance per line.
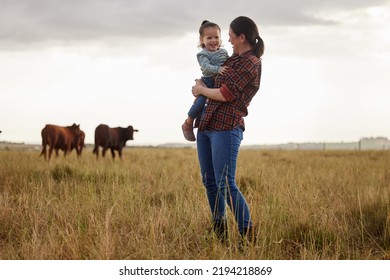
pixel 224 149
pixel 205 156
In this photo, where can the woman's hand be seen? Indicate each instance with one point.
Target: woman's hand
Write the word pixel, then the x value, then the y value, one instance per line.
pixel 223 70
pixel 198 88
pixel 212 93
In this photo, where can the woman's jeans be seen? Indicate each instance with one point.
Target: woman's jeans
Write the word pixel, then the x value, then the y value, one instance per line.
pixel 217 153
pixel 197 108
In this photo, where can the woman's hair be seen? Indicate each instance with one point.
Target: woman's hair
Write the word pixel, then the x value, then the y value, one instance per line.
pixel 206 24
pixel 246 26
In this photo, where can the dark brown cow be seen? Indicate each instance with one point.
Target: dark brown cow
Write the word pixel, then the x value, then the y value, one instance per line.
pixel 65 138
pixel 112 138
pixel 78 143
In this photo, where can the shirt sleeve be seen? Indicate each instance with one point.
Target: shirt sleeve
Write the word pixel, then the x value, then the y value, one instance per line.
pixel 226 93
pixel 235 80
pixel 205 64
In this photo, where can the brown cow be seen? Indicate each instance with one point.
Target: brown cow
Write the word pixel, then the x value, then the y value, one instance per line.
pixel 112 138
pixel 62 138
pixel 78 143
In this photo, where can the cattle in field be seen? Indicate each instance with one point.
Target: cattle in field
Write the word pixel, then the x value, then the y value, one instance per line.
pixel 79 144
pixel 112 138
pixel 65 138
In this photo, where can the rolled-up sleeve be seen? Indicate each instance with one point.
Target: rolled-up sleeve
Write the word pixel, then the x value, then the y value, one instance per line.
pixel 226 93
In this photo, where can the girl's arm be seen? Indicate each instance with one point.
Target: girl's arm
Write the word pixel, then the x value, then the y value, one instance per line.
pixel 205 64
pixel 218 58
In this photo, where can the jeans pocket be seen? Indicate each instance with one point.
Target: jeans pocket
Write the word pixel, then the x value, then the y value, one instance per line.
pixel 239 133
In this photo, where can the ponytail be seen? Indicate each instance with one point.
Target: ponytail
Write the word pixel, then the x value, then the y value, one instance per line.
pixel 258 47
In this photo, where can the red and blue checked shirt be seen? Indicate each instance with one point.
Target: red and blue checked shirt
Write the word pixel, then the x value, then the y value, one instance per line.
pixel 239 85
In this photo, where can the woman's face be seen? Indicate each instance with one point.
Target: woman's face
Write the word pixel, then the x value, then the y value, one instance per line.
pixel 235 41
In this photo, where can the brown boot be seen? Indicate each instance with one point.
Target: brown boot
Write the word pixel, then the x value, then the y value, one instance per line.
pixel 221 230
pixel 248 239
pixel 188 132
pixel 249 235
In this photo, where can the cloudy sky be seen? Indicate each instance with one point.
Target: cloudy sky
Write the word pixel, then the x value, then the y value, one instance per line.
pixel 122 62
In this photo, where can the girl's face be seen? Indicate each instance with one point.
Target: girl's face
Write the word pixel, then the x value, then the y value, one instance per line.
pixel 211 38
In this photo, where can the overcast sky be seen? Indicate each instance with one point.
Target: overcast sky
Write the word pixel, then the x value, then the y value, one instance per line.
pixel 325 68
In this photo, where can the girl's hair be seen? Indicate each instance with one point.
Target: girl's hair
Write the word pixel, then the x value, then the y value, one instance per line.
pixel 206 24
pixel 246 26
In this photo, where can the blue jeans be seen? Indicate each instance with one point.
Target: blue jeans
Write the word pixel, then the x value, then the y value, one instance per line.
pixel 197 108
pixel 217 154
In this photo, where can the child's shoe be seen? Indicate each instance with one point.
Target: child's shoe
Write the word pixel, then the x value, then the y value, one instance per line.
pixel 188 132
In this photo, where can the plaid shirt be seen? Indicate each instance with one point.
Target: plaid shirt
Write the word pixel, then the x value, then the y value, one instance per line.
pixel 239 85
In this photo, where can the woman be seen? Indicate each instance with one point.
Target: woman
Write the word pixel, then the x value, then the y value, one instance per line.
pixel 221 126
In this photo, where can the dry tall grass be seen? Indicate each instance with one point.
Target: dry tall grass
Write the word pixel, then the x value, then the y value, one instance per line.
pixel 152 205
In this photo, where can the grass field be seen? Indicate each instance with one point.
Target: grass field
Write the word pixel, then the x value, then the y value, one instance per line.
pixel 306 205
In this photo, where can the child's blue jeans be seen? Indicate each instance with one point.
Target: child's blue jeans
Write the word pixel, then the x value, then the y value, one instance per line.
pixel 197 108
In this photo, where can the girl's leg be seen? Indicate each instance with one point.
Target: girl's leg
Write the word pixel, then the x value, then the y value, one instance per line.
pixel 197 108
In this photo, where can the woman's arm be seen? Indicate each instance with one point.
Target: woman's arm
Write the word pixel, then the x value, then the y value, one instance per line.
pixel 213 93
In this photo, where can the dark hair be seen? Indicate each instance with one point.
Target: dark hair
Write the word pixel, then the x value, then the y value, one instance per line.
pixel 246 26
pixel 206 24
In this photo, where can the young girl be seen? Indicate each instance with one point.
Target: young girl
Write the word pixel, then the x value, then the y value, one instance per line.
pixel 210 60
